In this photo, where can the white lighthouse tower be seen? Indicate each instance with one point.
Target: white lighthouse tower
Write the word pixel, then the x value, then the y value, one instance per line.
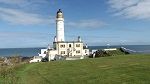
pixel 59 26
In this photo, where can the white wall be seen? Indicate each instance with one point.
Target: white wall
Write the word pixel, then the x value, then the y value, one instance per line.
pixel 74 50
pixel 60 29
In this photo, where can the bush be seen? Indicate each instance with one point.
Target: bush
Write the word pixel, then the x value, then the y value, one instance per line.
pixel 122 50
pixel 44 60
pixel 102 53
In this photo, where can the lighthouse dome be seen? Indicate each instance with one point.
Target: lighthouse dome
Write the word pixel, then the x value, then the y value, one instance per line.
pixel 59 14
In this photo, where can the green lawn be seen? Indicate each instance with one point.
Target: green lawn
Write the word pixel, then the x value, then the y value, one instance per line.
pixel 125 69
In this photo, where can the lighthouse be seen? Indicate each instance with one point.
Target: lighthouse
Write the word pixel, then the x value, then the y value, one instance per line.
pixel 64 48
pixel 68 50
pixel 60 26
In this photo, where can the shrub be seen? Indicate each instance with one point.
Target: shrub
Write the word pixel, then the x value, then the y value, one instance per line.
pixel 102 53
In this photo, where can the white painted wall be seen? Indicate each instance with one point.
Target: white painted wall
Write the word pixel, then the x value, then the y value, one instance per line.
pixel 60 29
pixel 43 52
pixel 36 59
pixel 110 49
pixel 71 50
pixel 52 54
pixel 86 52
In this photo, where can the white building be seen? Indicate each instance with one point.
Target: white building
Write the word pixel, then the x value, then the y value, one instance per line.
pixel 70 48
pixel 62 47
pixel 36 59
pixel 66 48
pixel 43 53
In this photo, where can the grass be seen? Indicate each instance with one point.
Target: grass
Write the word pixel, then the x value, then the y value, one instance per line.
pixel 123 69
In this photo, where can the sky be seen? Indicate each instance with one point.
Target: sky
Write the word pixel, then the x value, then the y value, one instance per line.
pixel 31 23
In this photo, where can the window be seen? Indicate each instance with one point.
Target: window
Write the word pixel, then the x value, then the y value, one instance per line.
pixel 62 52
pixel 85 51
pixel 69 45
pixel 77 45
pixel 78 51
pixel 62 46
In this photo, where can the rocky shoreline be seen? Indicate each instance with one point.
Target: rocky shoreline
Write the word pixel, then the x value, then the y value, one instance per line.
pixel 7 61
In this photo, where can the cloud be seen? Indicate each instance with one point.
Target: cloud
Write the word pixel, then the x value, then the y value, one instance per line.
pixel 23 2
pixel 21 12
pixel 12 2
pixel 90 23
pixel 137 9
pixel 15 16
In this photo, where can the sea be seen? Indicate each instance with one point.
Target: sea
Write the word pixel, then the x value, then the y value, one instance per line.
pixel 28 52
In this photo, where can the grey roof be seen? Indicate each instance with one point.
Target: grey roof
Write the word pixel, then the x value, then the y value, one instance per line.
pixel 69 42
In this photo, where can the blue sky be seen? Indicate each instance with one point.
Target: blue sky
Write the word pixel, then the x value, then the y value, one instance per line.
pixel 31 23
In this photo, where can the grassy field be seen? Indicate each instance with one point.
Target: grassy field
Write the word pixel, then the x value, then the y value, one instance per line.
pixel 125 69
